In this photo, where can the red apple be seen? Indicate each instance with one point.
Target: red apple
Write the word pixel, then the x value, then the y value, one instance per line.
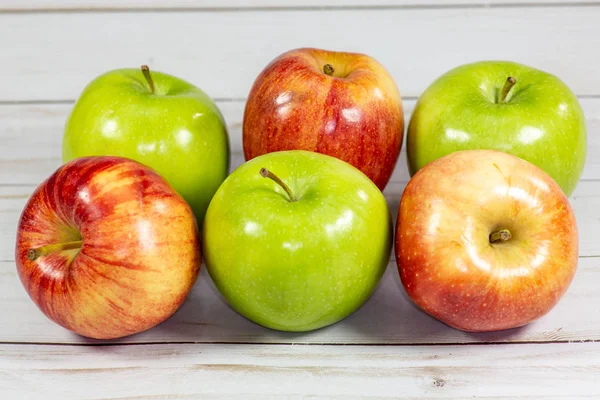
pixel 106 248
pixel 485 241
pixel 345 105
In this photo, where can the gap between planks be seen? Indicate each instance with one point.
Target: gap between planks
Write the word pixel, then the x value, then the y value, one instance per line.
pixel 43 102
pixel 387 318
pixel 330 344
pixel 201 371
pixel 323 6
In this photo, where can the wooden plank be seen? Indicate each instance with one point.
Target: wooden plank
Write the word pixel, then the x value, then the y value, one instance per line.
pixel 32 138
pixel 32 135
pixel 551 371
pixel 584 200
pixel 387 318
pixel 223 51
pixel 54 5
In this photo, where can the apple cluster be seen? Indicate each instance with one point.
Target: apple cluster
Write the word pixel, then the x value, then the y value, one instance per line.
pixel 298 237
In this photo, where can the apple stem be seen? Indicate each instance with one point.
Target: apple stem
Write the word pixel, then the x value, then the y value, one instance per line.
pixel 502 235
pixel 328 69
pixel 268 174
pixel 34 254
pixel 510 82
pixel 146 72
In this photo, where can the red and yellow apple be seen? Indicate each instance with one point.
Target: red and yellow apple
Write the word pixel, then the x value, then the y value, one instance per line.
pixel 485 241
pixel 345 105
pixel 106 248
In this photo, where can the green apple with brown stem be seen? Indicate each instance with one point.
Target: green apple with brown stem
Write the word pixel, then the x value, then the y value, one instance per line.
pixel 297 240
pixel 156 119
pixel 502 106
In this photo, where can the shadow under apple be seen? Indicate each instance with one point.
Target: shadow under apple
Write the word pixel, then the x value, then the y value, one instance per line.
pixel 207 317
pixel 390 317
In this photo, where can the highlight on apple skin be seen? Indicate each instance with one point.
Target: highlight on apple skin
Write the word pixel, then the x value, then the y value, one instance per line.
pixel 505 106
pixel 345 105
pixel 485 241
pixel 106 248
pixel 159 120
pixel 297 240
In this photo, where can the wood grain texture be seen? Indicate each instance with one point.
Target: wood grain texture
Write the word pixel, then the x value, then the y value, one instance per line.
pixel 387 318
pixel 584 200
pixel 53 5
pixel 32 136
pixel 52 48
pixel 548 371
pixel 223 51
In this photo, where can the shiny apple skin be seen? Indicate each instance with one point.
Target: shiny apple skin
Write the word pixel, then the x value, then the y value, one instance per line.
pixel 297 265
pixel 355 115
pixel 541 120
pixel 140 247
pixel 446 262
pixel 177 130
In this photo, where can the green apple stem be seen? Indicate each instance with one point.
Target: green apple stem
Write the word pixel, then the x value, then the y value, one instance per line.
pixel 146 72
pixel 502 235
pixel 268 174
pixel 328 69
pixel 510 82
pixel 34 254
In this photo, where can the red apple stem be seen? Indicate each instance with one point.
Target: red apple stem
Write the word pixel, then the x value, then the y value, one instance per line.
pixel 328 69
pixel 34 254
pixel 502 235
pixel 146 72
pixel 510 82
pixel 268 174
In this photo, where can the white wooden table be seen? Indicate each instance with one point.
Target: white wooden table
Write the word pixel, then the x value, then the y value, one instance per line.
pixel 49 50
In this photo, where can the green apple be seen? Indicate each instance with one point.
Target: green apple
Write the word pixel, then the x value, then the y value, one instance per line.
pixel 158 120
pixel 502 106
pixel 297 240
